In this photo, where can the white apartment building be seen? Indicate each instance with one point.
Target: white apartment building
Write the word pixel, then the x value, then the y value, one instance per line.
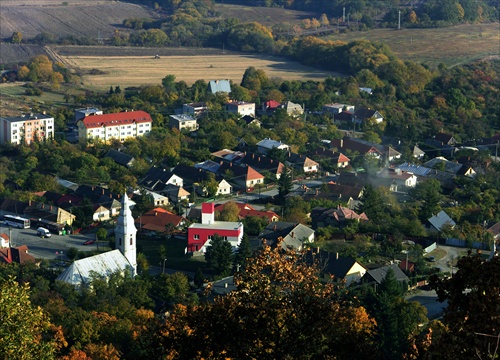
pixel 119 126
pixel 26 128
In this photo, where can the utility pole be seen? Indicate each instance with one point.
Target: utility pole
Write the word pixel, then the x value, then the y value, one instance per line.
pixel 343 14
pixel 399 20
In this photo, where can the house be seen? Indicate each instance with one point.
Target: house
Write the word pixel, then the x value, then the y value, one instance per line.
pixel 340 269
pixel 367 90
pixel 443 164
pixel 199 235
pixel 292 235
pixel 215 86
pixel 438 148
pixel 270 106
pixel 120 157
pixel 407 265
pixel 376 276
pixel 195 109
pixel 4 240
pixel 263 164
pixel 363 115
pixel 292 109
pixel 337 108
pixel 26 128
pixel 241 108
pixel 418 153
pixel 337 217
pixel 101 196
pixel 183 122
pixel 196 177
pixel 267 144
pixel 301 162
pixel 244 177
pixel 176 194
pixel 116 126
pixel 157 199
pixel 159 220
pixel 354 146
pixel 399 178
pixel 83 113
pixel 17 255
pixel 437 222
pixel 156 179
pixel 334 158
pixel 251 121
pixel 247 210
pixel 229 155
pixel 445 138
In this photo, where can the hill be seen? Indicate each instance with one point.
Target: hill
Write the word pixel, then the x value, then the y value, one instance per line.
pixel 91 18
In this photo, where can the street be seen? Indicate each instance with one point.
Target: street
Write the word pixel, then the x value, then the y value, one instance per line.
pixel 47 248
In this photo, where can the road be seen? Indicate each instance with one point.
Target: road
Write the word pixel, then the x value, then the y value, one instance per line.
pixel 429 300
pixel 447 262
pixel 47 248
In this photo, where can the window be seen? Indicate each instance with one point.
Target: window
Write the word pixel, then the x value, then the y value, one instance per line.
pixel 196 237
pixel 225 238
pixel 131 240
pixel 120 241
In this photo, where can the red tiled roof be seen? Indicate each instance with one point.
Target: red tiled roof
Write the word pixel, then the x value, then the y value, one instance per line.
pixel 6 255
pixel 269 215
pixel 241 206
pixel 253 174
pixel 272 104
pixel 157 219
pixel 115 119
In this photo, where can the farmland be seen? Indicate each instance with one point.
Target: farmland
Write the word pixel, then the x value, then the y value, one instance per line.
pixel 456 45
pixel 136 70
pixel 80 18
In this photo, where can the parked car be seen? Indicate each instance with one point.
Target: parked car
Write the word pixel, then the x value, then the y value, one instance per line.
pixel 43 232
pixel 89 242
pixel 432 259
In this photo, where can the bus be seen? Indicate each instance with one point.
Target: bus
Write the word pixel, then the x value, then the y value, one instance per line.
pixel 17 221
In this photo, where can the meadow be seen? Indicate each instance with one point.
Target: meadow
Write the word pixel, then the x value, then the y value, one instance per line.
pixel 452 46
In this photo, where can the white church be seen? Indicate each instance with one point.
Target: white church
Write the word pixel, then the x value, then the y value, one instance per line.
pixel 123 259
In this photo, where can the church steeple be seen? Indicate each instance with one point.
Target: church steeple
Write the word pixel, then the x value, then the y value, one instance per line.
pixel 125 234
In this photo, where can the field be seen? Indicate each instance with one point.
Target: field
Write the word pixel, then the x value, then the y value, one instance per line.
pixel 452 46
pixel 264 15
pixel 126 71
pixel 89 18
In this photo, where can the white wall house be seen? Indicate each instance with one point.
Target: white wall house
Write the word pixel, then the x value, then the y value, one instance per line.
pixel 241 108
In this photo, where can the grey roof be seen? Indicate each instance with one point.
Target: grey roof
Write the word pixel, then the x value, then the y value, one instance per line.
pixel 270 143
pixel 27 117
pixel 440 219
pixel 81 271
pixel 449 166
pixel 415 169
pixel 378 275
pixel 330 263
pixel 120 157
pixel 223 286
pixel 215 86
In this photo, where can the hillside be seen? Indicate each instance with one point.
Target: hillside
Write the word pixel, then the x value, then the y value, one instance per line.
pixel 80 18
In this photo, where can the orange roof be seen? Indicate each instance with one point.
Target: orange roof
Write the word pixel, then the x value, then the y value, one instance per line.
pixel 269 215
pixel 241 206
pixel 157 219
pixel 115 119
pixel 253 174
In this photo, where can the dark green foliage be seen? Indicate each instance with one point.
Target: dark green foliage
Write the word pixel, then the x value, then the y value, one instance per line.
pixel 219 255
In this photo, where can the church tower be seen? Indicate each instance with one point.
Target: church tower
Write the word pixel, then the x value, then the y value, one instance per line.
pixel 125 234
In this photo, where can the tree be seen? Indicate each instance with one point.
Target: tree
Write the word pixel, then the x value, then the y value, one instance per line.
pixel 279 310
pixel 23 326
pixel 102 234
pixel 243 253
pixel 284 184
pixel 230 212
pixel 219 255
pixel 471 315
pixel 16 37
pixel 429 194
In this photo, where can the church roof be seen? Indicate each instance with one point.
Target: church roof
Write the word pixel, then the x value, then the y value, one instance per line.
pixel 81 271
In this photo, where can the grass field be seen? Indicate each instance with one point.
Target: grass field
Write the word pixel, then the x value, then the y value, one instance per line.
pixel 128 71
pixel 452 46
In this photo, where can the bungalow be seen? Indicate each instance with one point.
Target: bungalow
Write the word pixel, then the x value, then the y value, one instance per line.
pixel 292 235
pixel 437 222
pixel 156 179
pixel 376 276
pixel 301 162
pixel 267 144
pixel 159 220
pixel 270 106
pixel 445 138
pixel 199 235
pixel 363 115
pixel 245 177
pixel 399 177
pixel 337 217
pixel 251 121
pixel 196 177
pixel 334 158
pixel 340 269
pixel 292 109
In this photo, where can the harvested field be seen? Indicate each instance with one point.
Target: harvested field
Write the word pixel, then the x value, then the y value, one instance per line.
pixel 456 45
pixel 80 18
pixel 128 71
pixel 19 53
pixel 264 15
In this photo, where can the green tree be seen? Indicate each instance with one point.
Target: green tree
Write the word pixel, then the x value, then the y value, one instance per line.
pixel 219 255
pixel 16 37
pixel 428 193
pixel 230 212
pixel 23 326
pixel 243 253
pixel 284 184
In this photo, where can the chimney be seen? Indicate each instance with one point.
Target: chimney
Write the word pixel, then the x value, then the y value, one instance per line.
pixel 118 196
pixel 253 155
pixel 93 188
pixel 225 285
pixel 110 196
pixel 221 162
pixel 274 228
pixel 69 201
pixel 341 143
pixel 230 164
pixel 30 203
pixel 103 191
pixel 156 213
pixel 50 208
pixel 43 206
pixel 293 235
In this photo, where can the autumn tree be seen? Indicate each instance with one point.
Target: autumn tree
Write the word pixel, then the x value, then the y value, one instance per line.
pixel 22 325
pixel 16 37
pixel 279 311
pixel 230 212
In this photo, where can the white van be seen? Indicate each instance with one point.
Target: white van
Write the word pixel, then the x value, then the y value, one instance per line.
pixel 43 232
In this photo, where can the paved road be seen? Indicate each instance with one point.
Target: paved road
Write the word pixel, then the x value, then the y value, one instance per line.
pixel 47 248
pixel 429 300
pixel 446 263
